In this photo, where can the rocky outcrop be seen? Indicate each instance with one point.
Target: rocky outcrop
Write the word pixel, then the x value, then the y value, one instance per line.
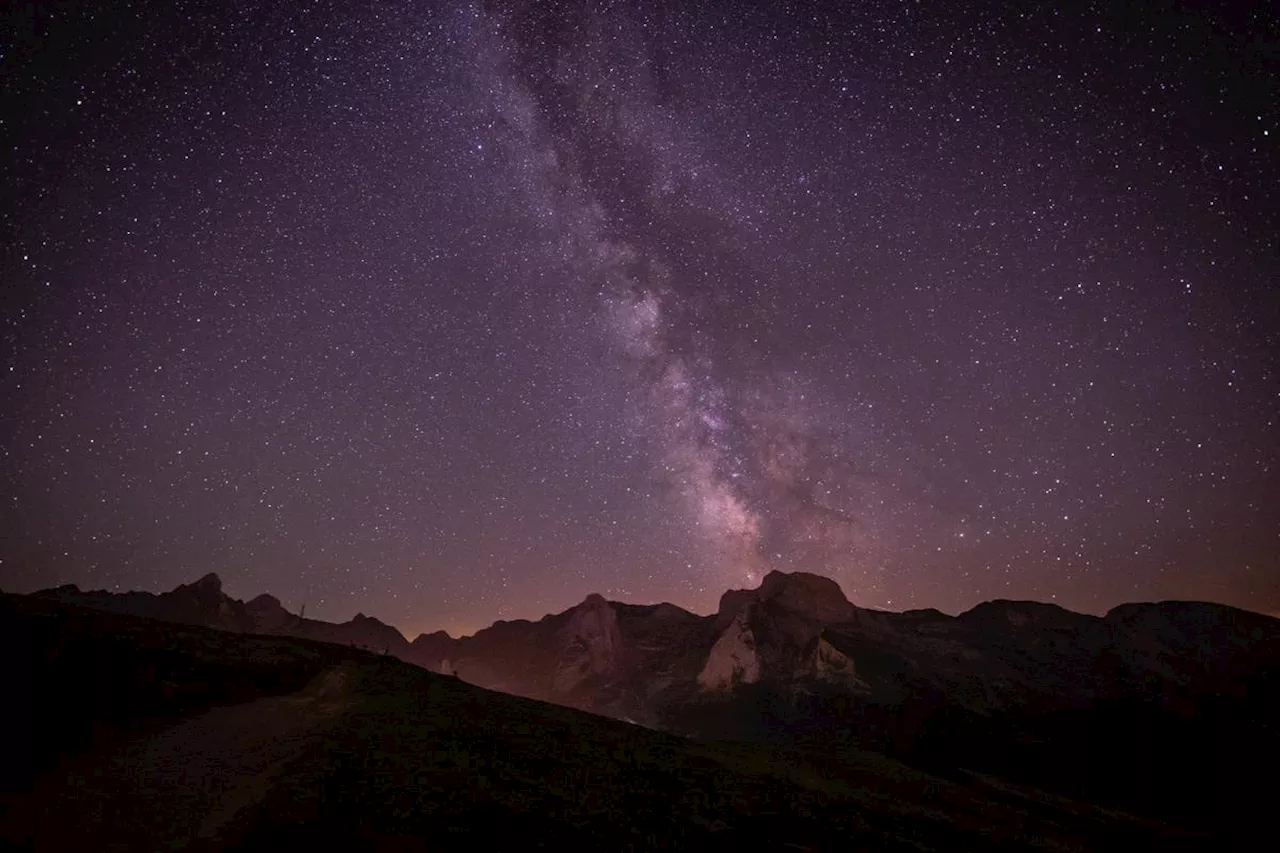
pixel 200 603
pixel 810 597
pixel 829 664
pixel 367 632
pixel 733 660
pixel 268 615
pixel 433 651
pixel 773 633
pixel 591 644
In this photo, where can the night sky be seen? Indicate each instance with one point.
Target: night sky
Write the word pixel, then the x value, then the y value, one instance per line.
pixel 448 313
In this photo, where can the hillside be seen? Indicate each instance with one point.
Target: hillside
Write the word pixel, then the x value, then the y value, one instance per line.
pixel 1165 709
pixel 144 735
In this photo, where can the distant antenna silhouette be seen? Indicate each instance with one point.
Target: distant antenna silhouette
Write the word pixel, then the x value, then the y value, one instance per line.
pixel 302 614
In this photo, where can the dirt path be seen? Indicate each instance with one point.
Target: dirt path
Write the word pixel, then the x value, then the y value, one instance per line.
pixel 178 788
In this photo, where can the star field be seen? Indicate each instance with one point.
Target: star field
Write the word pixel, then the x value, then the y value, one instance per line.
pixel 455 312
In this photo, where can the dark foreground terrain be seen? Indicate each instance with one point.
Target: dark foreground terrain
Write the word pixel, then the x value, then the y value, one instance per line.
pixel 126 734
pixel 1170 710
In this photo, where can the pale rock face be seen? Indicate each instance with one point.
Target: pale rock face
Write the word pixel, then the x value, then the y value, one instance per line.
pixel 733 658
pixel 831 664
pixel 592 644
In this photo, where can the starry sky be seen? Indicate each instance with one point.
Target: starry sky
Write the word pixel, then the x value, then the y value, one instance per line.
pixel 451 312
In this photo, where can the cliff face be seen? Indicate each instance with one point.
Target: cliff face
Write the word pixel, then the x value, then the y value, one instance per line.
pixel 590 645
pixel 732 660
pixel 829 664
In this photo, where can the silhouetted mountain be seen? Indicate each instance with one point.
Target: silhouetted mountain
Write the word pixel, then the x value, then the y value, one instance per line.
pixel 204 603
pixel 1162 707
pixel 141 735
pixel 199 603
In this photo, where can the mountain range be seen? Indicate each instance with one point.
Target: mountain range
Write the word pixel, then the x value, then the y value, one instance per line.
pixel 1163 708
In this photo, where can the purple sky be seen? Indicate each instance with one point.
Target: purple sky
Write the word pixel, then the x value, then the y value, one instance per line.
pixel 449 313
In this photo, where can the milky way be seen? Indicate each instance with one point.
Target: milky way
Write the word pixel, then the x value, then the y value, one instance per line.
pixel 461 313
pixel 641 227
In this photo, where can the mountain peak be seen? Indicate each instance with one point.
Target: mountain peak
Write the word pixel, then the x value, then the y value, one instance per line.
pixel 267 614
pixel 265 601
pixel 812 595
pixel 776 581
pixel 1023 614
pixel 209 583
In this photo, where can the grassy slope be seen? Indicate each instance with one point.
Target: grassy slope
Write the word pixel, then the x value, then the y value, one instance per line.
pixel 432 760
pixel 80 679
